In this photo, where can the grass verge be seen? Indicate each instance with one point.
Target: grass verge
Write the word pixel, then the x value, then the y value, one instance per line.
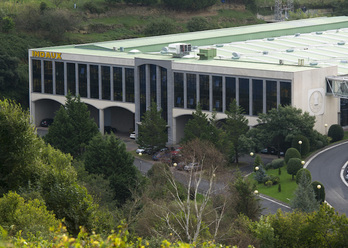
pixel 288 186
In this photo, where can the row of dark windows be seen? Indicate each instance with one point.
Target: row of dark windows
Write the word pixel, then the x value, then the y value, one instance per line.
pixel 244 86
pixel 210 88
pixel 77 80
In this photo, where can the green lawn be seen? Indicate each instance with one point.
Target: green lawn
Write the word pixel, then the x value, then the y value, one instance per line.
pixel 288 186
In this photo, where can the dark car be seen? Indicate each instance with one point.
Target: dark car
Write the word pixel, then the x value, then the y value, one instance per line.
pixel 46 122
pixel 272 151
pixel 109 129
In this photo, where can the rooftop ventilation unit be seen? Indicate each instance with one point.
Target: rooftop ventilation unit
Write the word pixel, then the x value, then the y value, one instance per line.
pixel 134 51
pixel 179 49
pixel 341 43
pixel 235 55
pixel 219 45
pixel 313 63
pixel 281 62
pixel 270 39
pixel 290 50
pixel 265 52
pixel 206 53
pixel 297 34
pixel 300 62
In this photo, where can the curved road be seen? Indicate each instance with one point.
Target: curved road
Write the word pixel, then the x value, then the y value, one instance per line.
pixel 326 167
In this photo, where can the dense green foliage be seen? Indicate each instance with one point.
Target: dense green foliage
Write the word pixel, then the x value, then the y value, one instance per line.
pixel 335 132
pixel 280 125
pixel 293 166
pixel 152 132
pixel 107 156
pixel 319 191
pixel 303 148
pixel 72 128
pixel 303 173
pixel 189 4
pixel 291 153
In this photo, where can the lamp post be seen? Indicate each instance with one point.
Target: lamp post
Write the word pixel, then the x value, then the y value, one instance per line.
pixel 256 168
pixel 319 187
pixel 256 191
pixel 251 155
pixel 141 162
pixel 300 143
pixel 303 162
pixel 325 129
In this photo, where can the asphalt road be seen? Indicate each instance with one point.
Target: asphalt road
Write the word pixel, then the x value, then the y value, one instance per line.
pixel 327 168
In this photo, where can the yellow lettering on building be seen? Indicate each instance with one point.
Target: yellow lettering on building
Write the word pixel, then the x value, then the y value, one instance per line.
pixel 46 55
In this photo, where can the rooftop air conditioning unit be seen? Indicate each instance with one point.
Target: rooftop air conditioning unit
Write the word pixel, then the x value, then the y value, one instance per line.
pixel 179 49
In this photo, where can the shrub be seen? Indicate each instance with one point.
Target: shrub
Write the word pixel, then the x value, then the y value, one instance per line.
pixel 93 8
pixel 336 132
pixel 7 24
pixel 274 179
pixel 260 174
pixel 291 153
pixel 277 163
pixel 268 183
pixel 304 147
pixel 294 165
pixel 189 4
pixel 160 26
pixel 303 172
pixel 198 23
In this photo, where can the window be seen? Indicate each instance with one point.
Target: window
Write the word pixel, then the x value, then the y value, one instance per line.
pixel 217 93
pixel 178 90
pixel 105 71
pixel 71 78
pixel 36 75
pixel 142 81
pixel 204 91
pixel 153 83
pixel 191 91
pixel 285 93
pixel 230 91
pixel 271 95
pixel 244 94
pixel 257 96
pixel 94 83
pixel 82 80
pixel 48 77
pixel 59 78
pixel 117 84
pixel 129 84
pixel 164 94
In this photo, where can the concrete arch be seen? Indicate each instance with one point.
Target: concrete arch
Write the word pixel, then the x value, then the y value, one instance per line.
pixel 120 118
pixel 44 108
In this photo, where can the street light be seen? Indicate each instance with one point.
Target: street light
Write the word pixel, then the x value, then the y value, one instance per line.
pixel 319 187
pixel 303 162
pixel 300 143
pixel 325 129
pixel 141 161
pixel 257 168
pixel 175 164
pixel 256 191
pixel 251 154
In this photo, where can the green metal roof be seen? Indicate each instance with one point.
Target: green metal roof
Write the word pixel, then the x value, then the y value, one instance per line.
pixel 322 41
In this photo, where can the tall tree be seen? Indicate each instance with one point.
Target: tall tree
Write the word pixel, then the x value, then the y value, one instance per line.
pixel 304 199
pixel 107 156
pixel 152 132
pixel 284 123
pixel 236 127
pixel 72 128
pixel 201 127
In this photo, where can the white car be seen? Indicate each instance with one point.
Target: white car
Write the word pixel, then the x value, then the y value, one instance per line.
pixel 193 167
pixel 140 150
pixel 132 135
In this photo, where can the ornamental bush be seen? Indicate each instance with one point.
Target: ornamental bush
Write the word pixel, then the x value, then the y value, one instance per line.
pixel 303 172
pixel 277 163
pixel 336 132
pixel 293 166
pixel 291 153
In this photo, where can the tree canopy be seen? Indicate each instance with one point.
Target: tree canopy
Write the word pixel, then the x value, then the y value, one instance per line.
pixel 152 132
pixel 72 128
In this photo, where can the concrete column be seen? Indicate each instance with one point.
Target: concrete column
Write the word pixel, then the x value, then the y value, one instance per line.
pixel 136 97
pixel 158 87
pixel 124 84
pixel 77 79
pixel 147 83
pixel 101 120
pixel 224 94
pixel 88 82
pixel 100 82
pixel 170 101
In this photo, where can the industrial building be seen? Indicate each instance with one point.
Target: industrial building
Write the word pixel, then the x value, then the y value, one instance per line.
pixel 303 63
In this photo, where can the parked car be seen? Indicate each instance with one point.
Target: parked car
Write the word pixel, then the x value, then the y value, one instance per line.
pixel 140 150
pixel 272 151
pixel 132 135
pixel 192 167
pixel 164 157
pixel 180 166
pixel 46 122
pixel 109 129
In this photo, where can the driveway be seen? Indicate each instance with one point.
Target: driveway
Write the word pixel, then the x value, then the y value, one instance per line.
pixel 326 167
